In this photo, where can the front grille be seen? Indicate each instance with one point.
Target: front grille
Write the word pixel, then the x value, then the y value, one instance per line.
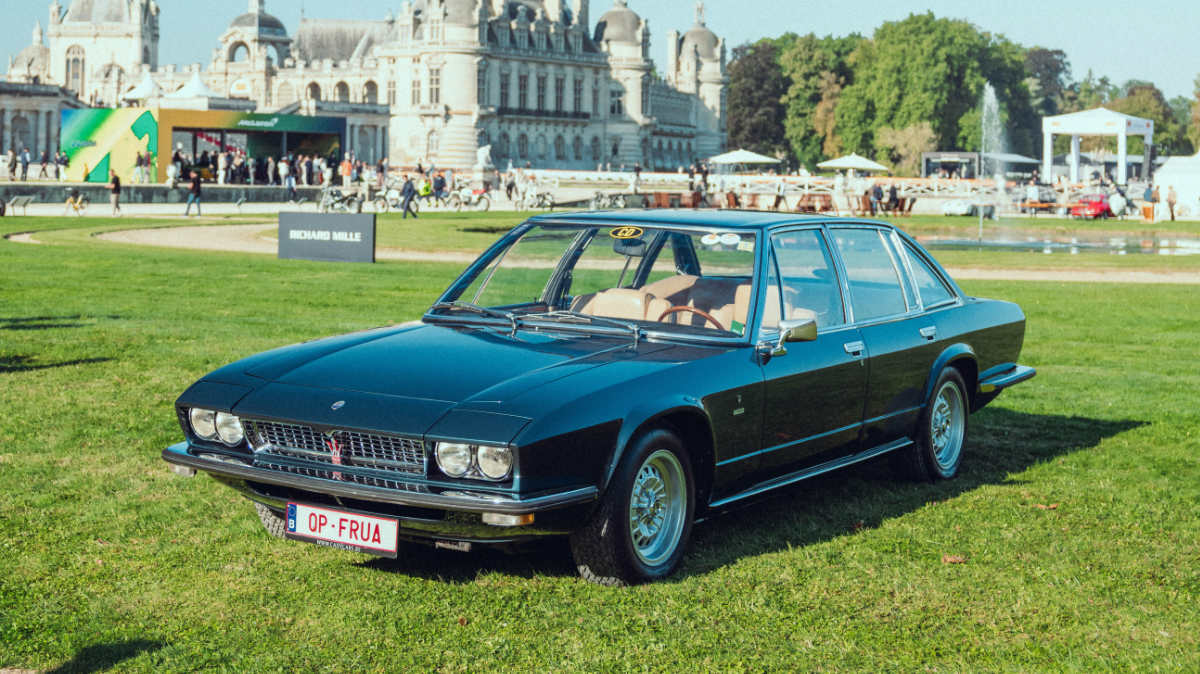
pixel 336 449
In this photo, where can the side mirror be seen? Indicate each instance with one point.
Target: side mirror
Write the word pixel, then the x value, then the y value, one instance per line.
pixel 794 330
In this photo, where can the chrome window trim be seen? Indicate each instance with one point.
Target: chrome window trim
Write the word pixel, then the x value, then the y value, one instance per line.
pixel 846 276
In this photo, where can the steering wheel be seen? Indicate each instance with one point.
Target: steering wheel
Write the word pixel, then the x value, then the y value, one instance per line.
pixel 702 314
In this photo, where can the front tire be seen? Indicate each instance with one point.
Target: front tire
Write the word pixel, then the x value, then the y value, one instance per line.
pixel 483 204
pixel 641 528
pixel 937 454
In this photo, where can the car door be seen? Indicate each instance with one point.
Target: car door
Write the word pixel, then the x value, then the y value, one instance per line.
pixel 901 340
pixel 813 394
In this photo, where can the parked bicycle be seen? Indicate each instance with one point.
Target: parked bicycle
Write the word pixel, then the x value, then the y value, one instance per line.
pixel 77 201
pixel 603 201
pixel 333 199
pixel 468 197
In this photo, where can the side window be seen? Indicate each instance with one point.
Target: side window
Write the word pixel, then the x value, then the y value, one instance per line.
pixel 875 289
pixel 807 282
pixel 929 285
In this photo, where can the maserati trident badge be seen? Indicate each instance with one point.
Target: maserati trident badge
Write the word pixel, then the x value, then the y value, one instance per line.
pixel 338 405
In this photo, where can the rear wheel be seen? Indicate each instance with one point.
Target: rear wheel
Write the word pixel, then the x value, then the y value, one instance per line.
pixel 273 522
pixel 381 205
pixel 483 204
pixel 454 202
pixel 641 528
pixel 937 454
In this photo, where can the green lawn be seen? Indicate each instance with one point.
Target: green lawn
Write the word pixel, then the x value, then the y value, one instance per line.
pixel 1076 513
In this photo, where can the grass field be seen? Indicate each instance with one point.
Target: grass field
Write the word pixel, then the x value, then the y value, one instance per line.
pixel 1077 513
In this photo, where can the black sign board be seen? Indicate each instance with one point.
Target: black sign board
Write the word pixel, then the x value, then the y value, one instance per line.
pixel 327 237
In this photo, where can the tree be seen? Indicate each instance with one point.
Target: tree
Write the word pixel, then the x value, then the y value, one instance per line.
pixel 1143 99
pixel 818 70
pixel 755 100
pixel 904 146
pixel 1049 73
pixel 1194 125
pixel 926 69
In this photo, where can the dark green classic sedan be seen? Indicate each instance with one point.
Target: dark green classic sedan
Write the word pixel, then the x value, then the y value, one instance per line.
pixel 611 376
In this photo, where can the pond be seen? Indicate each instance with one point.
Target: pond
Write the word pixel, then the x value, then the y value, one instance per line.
pixel 1073 245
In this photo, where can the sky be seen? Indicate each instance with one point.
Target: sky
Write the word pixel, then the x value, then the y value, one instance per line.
pixel 1158 39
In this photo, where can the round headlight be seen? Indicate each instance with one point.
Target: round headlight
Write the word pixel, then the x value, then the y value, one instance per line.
pixel 204 422
pixel 495 462
pixel 454 459
pixel 229 428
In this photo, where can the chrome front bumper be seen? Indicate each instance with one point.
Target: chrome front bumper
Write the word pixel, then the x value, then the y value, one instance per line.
pixel 455 500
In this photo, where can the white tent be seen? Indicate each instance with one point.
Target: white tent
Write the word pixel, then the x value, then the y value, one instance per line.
pixel 194 89
pixel 1096 122
pixel 1182 173
pixel 852 161
pixel 742 157
pixel 147 88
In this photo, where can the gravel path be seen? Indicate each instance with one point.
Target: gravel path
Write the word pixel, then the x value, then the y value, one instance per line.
pixel 257 239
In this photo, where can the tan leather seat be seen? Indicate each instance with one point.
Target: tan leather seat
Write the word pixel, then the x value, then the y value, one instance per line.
pixel 626 303
pixel 674 289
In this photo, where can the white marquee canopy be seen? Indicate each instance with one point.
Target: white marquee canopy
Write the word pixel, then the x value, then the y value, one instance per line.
pixel 1096 122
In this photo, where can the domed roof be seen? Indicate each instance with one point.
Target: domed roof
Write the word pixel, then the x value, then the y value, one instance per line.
pixel 31 62
pixel 703 39
pixel 97 11
pixel 619 24
pixel 260 23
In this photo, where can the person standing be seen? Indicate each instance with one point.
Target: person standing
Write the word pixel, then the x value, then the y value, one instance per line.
pixel 24 164
pixel 12 165
pixel 346 169
pixel 1172 199
pixel 691 173
pixel 289 178
pixel 408 192
pixel 114 188
pixel 45 159
pixel 193 194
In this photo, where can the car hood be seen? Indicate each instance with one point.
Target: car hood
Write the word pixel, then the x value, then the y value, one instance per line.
pixel 456 365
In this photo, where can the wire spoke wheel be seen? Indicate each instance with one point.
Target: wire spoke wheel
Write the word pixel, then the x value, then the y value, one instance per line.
pixel 657 507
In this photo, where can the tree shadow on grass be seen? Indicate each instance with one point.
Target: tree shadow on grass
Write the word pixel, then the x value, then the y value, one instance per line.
pixel 1001 442
pixel 23 363
pixel 105 656
pixel 47 322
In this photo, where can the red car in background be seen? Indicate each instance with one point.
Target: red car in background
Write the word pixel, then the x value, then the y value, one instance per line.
pixel 1092 206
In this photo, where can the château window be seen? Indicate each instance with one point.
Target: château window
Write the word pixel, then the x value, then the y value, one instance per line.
pixel 577 99
pixel 616 102
pixel 416 91
pixel 522 91
pixel 505 89
pixel 595 99
pixel 560 85
pixel 541 92
pixel 391 92
pixel 481 85
pixel 435 86
pixel 75 69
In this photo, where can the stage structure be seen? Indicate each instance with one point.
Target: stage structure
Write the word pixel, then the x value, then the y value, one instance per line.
pixel 1096 122
pixel 99 140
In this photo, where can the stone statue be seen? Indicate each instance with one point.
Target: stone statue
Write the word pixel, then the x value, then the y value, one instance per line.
pixel 483 158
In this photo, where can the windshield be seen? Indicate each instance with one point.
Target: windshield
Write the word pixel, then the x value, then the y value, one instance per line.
pixel 685 280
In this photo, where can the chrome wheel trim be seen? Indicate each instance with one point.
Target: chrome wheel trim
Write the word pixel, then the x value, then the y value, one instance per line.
pixel 657 507
pixel 947 423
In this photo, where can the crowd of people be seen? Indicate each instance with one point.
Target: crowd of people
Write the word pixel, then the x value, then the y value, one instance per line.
pixel 48 167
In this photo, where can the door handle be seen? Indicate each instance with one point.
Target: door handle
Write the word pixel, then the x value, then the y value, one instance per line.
pixel 929 332
pixel 854 348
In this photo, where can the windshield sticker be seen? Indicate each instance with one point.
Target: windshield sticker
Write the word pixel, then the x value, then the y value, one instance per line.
pixel 730 239
pixel 625 232
pixel 710 239
pixel 746 246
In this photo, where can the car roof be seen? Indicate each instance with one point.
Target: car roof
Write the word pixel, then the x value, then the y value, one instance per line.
pixel 723 218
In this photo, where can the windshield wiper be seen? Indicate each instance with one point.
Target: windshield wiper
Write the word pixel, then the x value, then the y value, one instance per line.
pixel 482 311
pixel 565 313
